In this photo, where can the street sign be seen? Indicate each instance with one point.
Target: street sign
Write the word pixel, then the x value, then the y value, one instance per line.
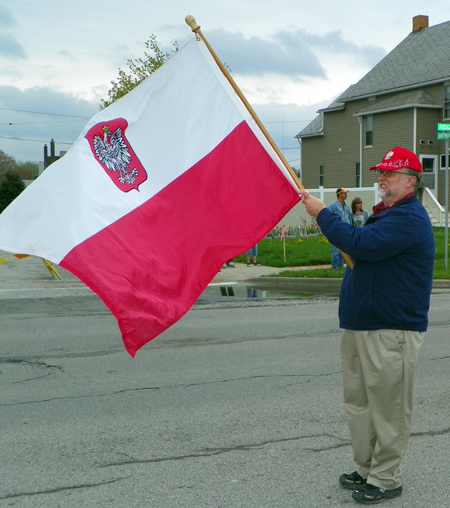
pixel 443 135
pixel 443 127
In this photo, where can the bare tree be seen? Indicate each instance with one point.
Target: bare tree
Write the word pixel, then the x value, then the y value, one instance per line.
pixel 7 163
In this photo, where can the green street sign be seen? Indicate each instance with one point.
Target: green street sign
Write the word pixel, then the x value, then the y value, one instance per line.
pixel 443 127
pixel 443 135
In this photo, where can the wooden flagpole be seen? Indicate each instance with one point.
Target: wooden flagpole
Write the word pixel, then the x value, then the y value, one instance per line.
pixel 195 27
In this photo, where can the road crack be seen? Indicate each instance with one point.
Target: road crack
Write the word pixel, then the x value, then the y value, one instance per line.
pixel 210 452
pixel 62 489
pixel 171 387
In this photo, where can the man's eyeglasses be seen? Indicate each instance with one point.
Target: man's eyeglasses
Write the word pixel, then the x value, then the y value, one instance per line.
pixel 388 174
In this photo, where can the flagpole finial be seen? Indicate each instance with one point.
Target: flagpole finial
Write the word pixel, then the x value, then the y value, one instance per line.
pixel 190 20
pixel 195 27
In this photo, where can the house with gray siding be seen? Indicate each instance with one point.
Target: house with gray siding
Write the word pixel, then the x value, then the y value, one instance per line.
pixel 398 103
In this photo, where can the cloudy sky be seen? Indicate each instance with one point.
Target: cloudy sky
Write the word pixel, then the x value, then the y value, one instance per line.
pixel 289 57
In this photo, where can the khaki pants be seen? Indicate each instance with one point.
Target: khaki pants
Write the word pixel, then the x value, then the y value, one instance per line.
pixel 378 370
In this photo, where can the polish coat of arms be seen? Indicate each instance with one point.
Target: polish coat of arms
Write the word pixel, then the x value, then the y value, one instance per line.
pixel 114 153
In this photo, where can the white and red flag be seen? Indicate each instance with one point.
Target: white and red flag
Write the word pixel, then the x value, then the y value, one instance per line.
pixel 157 193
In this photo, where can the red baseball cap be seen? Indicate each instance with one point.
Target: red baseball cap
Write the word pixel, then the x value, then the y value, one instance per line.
pixel 341 189
pixel 398 158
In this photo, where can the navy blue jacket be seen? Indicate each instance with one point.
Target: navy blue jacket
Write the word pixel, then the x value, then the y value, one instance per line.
pixel 390 284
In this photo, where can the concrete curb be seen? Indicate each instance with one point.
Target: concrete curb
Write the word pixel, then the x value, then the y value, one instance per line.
pixel 312 285
pixel 441 284
pixel 296 285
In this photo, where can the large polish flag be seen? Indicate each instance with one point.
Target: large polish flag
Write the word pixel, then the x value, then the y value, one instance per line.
pixel 157 193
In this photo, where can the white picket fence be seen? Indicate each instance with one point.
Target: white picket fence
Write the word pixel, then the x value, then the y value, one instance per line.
pixel 297 216
pixel 369 196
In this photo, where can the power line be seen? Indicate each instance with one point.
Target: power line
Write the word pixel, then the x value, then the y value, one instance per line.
pixel 40 123
pixel 36 140
pixel 42 113
pixel 289 121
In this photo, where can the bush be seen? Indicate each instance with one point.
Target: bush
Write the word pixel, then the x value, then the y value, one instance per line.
pixel 11 186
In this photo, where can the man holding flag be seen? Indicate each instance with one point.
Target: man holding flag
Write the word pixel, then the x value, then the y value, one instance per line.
pixel 383 310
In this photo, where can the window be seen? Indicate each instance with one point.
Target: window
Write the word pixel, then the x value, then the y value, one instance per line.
pixel 357 174
pixel 447 101
pixel 321 175
pixel 369 130
pixel 443 162
pixel 371 101
pixel 428 172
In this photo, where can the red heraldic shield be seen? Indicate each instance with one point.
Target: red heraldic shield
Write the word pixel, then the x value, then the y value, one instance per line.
pixel 113 152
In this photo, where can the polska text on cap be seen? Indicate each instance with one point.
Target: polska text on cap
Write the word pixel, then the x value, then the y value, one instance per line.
pixel 399 158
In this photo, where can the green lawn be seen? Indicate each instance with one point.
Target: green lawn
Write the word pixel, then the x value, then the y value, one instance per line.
pixel 316 250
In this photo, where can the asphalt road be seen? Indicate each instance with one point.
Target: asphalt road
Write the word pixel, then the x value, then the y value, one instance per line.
pixel 237 405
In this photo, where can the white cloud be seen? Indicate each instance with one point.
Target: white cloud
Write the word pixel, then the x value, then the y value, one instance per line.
pixel 6 18
pixel 288 55
pixel 67 55
pixel 10 48
pixel 255 56
pixel 31 118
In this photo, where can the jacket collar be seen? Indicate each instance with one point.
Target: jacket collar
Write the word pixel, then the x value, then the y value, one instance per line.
pixel 381 207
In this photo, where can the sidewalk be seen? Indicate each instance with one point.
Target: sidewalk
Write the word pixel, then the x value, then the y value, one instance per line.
pixel 255 277
pixel 29 277
pixel 242 272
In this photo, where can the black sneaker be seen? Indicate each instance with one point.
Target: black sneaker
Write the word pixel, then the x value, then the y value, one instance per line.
pixel 352 481
pixel 370 494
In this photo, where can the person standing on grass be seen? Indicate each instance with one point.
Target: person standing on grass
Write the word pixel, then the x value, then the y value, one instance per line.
pixel 252 252
pixel 383 310
pixel 340 208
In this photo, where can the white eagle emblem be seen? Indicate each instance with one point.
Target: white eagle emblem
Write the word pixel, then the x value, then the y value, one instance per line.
pixel 114 154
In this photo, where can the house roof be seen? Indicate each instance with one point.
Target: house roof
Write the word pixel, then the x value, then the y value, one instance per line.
pixel 316 126
pixel 312 129
pixel 421 59
pixel 411 99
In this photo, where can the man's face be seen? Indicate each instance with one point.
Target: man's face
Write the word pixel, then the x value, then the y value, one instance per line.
pixel 394 185
pixel 342 196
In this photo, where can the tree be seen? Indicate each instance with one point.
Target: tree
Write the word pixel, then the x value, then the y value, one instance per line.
pixel 28 170
pixel 139 69
pixel 11 186
pixel 7 163
pixel 24 173
pixel 296 171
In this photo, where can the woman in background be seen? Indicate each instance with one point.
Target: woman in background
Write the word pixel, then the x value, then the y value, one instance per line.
pixel 359 215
